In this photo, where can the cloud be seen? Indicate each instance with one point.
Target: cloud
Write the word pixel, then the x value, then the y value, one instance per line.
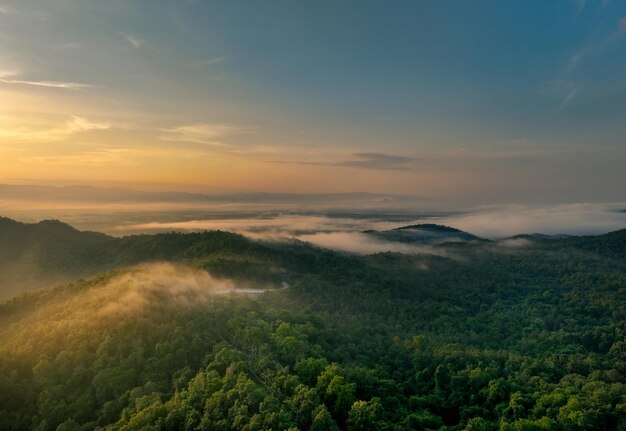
pixel 490 222
pixel 287 225
pixel 102 157
pixel 361 243
pixel 566 90
pixel 589 51
pixel 143 287
pixel 570 95
pixel 6 77
pixel 342 234
pixel 74 124
pixel 207 134
pixel 157 283
pixel 364 160
pixel 133 40
pixel 80 124
pixel 4 10
pixel 209 62
pixel 378 161
pixel 574 219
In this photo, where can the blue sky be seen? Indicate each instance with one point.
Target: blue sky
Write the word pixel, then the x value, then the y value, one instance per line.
pixel 488 100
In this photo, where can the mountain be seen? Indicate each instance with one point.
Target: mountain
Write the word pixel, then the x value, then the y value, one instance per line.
pixel 505 338
pixel 51 252
pixel 425 234
pixel 37 255
pixel 612 244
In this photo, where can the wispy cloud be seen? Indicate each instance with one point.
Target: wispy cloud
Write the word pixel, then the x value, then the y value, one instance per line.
pixel 100 157
pixel 570 95
pixel 600 41
pixel 565 90
pixel 80 124
pixel 208 134
pixel 10 77
pixel 596 45
pixel 569 92
pixel 74 124
pixel 364 160
pixel 378 161
pixel 49 84
pixel 208 62
pixel 4 9
pixel 133 40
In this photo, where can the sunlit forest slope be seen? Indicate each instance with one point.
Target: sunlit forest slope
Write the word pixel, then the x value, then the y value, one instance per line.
pixel 527 333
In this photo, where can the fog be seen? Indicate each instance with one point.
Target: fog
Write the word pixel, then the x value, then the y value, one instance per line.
pixel 266 226
pixel 568 219
pixel 346 233
pixel 154 283
pixel 335 221
pixel 361 243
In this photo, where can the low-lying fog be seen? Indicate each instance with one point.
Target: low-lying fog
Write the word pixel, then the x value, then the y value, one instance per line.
pixel 149 283
pixel 346 233
pixel 488 222
pixel 334 221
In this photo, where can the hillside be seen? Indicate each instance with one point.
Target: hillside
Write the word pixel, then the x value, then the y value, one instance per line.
pixel 490 337
pixel 612 244
pixel 425 234
pixel 51 252
pixel 44 253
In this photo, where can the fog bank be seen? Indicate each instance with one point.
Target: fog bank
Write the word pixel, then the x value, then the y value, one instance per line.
pixel 568 219
pixel 156 283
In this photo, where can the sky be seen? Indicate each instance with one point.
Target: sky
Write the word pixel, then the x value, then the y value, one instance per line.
pixel 485 102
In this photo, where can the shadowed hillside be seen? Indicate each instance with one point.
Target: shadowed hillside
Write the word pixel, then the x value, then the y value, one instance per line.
pixel 508 335
pixel 52 252
pixel 425 234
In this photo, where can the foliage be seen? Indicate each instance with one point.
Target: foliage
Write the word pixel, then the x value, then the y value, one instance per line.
pixel 490 338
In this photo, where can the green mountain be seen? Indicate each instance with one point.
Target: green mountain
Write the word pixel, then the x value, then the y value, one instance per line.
pixel 37 255
pixel 424 234
pixel 481 336
pixel 612 245
pixel 51 252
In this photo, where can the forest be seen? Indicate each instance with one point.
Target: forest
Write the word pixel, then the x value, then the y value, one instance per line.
pixel 527 333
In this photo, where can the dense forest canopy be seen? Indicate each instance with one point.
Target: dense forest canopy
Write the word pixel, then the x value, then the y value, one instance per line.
pixel 527 333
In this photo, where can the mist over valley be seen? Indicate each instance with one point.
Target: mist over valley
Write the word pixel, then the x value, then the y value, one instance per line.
pixel 312 216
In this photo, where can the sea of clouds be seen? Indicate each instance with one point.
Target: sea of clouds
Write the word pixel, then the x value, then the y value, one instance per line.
pixel 347 233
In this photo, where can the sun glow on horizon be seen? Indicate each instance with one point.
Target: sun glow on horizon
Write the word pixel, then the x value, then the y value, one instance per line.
pixel 134 94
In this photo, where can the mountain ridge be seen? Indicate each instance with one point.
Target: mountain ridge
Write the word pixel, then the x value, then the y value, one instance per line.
pixel 425 233
pixel 35 255
pixel 376 342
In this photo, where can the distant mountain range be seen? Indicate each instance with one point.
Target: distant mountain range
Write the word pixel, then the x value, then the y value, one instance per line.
pixel 40 254
pixel 117 194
